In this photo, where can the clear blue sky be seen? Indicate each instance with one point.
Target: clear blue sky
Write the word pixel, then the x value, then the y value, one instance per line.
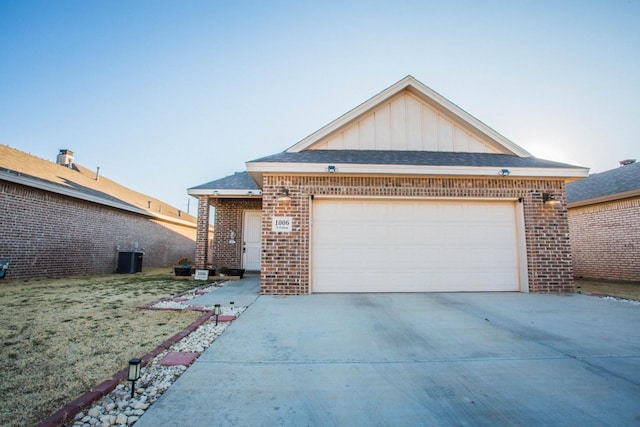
pixel 166 95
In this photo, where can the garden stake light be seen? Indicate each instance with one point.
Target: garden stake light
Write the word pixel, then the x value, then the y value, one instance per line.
pixel 134 373
pixel 217 311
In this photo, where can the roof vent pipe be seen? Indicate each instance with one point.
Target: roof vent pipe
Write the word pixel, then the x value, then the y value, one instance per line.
pixel 98 173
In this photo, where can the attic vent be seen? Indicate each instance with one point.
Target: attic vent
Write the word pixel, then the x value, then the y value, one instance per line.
pixel 627 162
pixel 65 158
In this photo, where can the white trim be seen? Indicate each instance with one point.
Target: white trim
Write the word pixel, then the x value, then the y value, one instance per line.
pixel 435 198
pixel 372 169
pixel 422 91
pixel 69 192
pixel 225 193
pixel 520 232
pixel 523 265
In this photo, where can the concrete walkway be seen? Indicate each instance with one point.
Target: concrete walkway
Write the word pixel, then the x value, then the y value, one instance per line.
pixel 415 359
pixel 242 292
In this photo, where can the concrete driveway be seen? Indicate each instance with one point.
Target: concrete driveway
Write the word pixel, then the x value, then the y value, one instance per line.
pixel 416 359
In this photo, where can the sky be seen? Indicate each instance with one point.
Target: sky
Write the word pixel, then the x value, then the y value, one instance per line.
pixel 168 95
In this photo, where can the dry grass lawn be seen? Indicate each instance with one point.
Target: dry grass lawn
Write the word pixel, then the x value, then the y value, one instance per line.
pixel 62 337
pixel 627 290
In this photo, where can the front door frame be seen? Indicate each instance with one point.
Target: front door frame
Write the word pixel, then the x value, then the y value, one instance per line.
pixel 251 245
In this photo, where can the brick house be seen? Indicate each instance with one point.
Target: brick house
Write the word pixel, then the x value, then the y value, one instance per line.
pixel 59 219
pixel 405 193
pixel 604 222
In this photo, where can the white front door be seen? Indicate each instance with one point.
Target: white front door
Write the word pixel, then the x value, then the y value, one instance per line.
pixel 252 236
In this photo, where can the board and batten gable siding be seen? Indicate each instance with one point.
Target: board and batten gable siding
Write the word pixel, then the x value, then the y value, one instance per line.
pixel 604 240
pixel 286 256
pixel 406 123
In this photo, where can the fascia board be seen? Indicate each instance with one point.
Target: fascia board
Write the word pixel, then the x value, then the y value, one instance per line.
pixel 421 90
pixel 224 192
pixel 367 169
pixel 350 115
pixel 69 192
pixel 605 199
pixel 444 103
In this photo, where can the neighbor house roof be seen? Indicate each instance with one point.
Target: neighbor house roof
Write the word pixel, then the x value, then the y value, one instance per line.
pixel 619 183
pixel 81 183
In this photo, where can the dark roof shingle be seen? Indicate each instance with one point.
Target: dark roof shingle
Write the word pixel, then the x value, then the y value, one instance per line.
pixel 237 181
pixel 412 158
pixel 619 180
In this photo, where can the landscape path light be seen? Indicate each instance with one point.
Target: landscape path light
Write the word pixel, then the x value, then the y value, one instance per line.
pixel 134 373
pixel 217 311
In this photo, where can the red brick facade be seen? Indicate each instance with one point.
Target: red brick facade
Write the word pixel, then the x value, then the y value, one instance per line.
pixel 285 256
pixel 605 240
pixel 49 235
pixel 228 218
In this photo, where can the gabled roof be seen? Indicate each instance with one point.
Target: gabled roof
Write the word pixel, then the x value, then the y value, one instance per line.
pixel 407 129
pixel 240 184
pixel 81 183
pixel 615 184
pixel 439 109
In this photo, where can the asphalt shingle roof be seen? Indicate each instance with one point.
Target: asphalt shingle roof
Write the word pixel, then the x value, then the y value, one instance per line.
pixel 80 180
pixel 412 158
pixel 620 180
pixel 237 181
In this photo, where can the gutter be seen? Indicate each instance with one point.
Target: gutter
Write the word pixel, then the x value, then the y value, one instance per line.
pixel 604 199
pixel 69 192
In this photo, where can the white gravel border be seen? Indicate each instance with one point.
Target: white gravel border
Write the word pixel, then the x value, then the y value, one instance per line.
pixel 119 409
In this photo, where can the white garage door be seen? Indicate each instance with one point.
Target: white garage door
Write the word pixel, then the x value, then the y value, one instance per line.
pixel 414 246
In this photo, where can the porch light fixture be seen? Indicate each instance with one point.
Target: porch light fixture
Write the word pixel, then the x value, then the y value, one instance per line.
pixel 217 311
pixel 134 373
pixel 504 172
pixel 550 199
pixel 284 195
pixel 331 169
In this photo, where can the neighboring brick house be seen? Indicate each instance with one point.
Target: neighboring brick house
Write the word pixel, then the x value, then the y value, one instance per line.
pixel 405 193
pixel 604 221
pixel 59 219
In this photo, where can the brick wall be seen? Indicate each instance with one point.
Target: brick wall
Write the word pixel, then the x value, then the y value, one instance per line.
pixel 50 235
pixel 285 256
pixel 229 216
pixel 606 240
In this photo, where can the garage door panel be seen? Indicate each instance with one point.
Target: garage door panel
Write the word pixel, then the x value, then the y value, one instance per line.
pixel 414 246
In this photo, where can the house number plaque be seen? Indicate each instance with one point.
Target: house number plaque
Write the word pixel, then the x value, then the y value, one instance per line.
pixel 281 224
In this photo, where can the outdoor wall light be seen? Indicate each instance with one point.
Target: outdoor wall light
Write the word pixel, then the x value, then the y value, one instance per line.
pixel 284 195
pixel 134 373
pixel 550 199
pixel 217 311
pixel 331 169
pixel 504 172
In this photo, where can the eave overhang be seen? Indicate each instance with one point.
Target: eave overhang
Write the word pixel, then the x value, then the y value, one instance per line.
pixel 257 169
pixel 604 199
pixel 70 192
pixel 226 193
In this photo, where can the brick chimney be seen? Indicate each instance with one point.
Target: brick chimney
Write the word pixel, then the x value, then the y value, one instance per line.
pixel 65 158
